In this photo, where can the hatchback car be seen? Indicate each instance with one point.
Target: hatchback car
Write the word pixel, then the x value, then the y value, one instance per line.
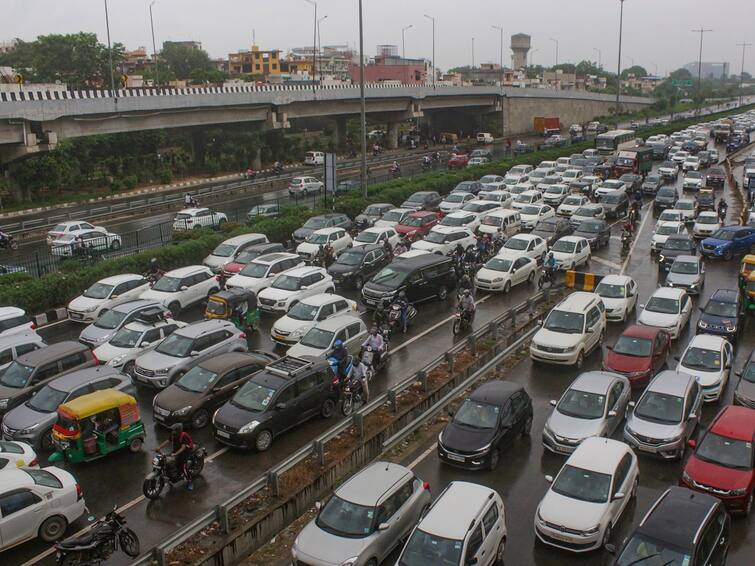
pixel 14 345
pixel 688 208
pixel 706 224
pixel 528 245
pixel 593 405
pixel 371 214
pixel 639 354
pixel 455 201
pixel 306 314
pixel 304 186
pixel 666 197
pixel 248 255
pixel 669 170
pixel 320 339
pixel 532 214
pixel 686 272
pixel 417 223
pixel 423 200
pixel 570 204
pixel 394 217
pixel 292 286
pixel 667 308
pixel 588 496
pixel 14 320
pixel 111 321
pixel 185 348
pixel 665 416
pixel 444 239
pixel 17 455
pixel 586 212
pixel 551 229
pixel 676 245
pixel 619 295
pixel 652 184
pixel 663 231
pixel 357 265
pixel 230 249
pixel 104 295
pixel 503 271
pixel 183 287
pixel 596 232
pixel 709 359
pixel 365 519
pixel 259 273
pixel 461 219
pixel 329 220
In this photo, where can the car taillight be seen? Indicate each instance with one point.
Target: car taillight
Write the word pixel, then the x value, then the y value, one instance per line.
pixel 242 335
pixel 426 486
pixel 96 361
pixel 33 325
pixel 33 463
pixel 189 220
pixel 79 492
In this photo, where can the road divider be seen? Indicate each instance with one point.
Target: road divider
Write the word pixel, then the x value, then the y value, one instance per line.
pixel 580 281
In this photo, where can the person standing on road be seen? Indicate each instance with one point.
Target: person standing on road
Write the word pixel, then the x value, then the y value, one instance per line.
pixel 188 199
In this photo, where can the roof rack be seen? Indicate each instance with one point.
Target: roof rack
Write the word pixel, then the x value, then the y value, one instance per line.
pixel 151 315
pixel 289 366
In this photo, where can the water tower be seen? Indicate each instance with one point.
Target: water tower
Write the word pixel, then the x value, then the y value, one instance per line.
pixel 520 45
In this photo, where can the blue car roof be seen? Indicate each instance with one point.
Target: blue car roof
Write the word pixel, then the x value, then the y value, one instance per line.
pixel 725 296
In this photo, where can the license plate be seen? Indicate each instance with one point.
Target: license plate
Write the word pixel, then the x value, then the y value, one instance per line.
pixel 456 458
pixel 370 302
pixel 75 316
pixel 158 417
pixel 222 434
pixel 279 337
pixel 561 449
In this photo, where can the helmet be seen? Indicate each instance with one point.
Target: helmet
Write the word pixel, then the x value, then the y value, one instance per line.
pixel 338 344
pixel 550 254
pixel 177 428
pixel 402 295
pixel 153 261
pixel 466 292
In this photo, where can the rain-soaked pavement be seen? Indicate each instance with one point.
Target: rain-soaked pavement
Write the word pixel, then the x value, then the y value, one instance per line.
pixel 117 480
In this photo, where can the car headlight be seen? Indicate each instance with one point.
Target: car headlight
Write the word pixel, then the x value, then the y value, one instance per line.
pixel 669 439
pixel 280 304
pixel 569 348
pixel 248 427
pixel 28 430
pixel 182 412
pixel 350 561
pixel 637 373
pixel 740 491
pixel 298 333
pixel 661 257
pixel 163 371
pixel 348 274
pixel 89 309
pixel 702 324
pixel 116 361
pixel 591 530
pixel 4 404
pixel 484 448
pixel 686 477
pixel 497 279
pixel 731 328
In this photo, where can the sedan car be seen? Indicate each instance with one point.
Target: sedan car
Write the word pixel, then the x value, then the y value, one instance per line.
pixel 667 308
pixel 619 295
pixel 423 200
pixel 455 201
pixel 555 194
pixel 527 245
pixel 305 314
pixel 675 246
pixel 662 232
pixel 596 232
pixel 552 229
pixel 371 214
pixel 534 213
pixel 652 184
pixel 357 265
pixel 503 271
pixel 329 220
pixel 593 405
pixel 292 286
pixel 686 272
pixel 570 252
pixel 587 212
pixel 708 359
pixel 526 198
pixel 639 354
pixel 83 242
pixel 337 238
pixel 70 226
pixel 376 235
pixel 570 204
pixel 728 242
pixel 706 224
pixel 666 197
pixel 104 295
pixel 110 322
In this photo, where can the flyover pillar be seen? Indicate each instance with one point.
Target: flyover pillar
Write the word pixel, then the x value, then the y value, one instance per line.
pixel 391 140
pixel 340 133
pixel 257 159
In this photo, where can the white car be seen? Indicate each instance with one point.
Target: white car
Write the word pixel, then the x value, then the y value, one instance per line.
pixel 37 504
pixel 443 239
pixel 14 320
pixel 81 241
pixel 588 496
pixel 455 201
pixel 662 231
pixel 461 219
pixel 105 294
pixel 679 157
pixel 527 245
pixel 337 238
pixel 318 341
pixel 570 252
pixel 307 313
pixel 708 358
pixel 503 198
pixel 527 197
pixel 15 454
pixel 610 186
pixel 70 226
pixel 670 215
pixel 691 163
pixel 133 340
pixel 318 157
pixel 230 249
pixel 588 211
pixel 12 346
pixel 706 224
pixel 619 295
pixel 534 213
pixel 688 208
pixel 261 271
pixel 572 175
pixel 479 160
pixel 492 182
pixel 393 216
pixel 195 218
pixel 668 308
pixel 519 171
pixel 376 235
pixel 593 180
pixel 693 180
pixel 570 204
pixel 183 287
pixel 502 272
pixel 292 286
pixel 549 181
pixel 555 194
pixel 479 207
pixel 302 186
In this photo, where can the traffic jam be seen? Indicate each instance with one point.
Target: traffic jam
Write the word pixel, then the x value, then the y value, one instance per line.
pixel 625 436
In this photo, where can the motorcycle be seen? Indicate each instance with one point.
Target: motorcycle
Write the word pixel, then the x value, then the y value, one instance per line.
pixel 352 396
pixel 250 174
pixel 427 164
pixel 9 242
pixel 546 278
pixel 99 543
pixel 395 172
pixel 394 317
pixel 368 359
pixel 278 169
pixel 626 242
pixel 462 320
pixel 153 276
pixel 165 470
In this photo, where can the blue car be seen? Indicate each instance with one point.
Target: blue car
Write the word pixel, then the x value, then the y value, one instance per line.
pixel 722 315
pixel 729 241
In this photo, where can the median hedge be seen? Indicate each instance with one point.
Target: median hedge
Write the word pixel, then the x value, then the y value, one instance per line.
pixel 57 289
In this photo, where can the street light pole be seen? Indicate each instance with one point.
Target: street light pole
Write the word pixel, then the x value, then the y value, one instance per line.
pixel 744 46
pixel 154 46
pixel 110 52
pixel 702 31
pixel 556 42
pixel 532 56
pixel 503 111
pixel 600 63
pixel 403 40
pixel 618 70
pixel 319 42
pixel 432 19
pixel 363 106
pixel 500 30
pixel 314 44
pixel 473 53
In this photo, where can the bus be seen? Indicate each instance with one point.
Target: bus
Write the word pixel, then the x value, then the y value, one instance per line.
pixel 609 142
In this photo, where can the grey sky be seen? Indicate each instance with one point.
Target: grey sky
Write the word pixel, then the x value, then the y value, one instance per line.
pixel 656 31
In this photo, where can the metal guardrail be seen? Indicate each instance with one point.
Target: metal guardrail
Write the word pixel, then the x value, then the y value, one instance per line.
pixel 270 479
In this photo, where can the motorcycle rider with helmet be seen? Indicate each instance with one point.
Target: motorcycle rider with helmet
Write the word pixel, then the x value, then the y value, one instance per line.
pixel 400 248
pixel 403 303
pixel 341 355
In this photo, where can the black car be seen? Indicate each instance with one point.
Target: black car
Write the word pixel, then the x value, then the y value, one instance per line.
pixel 714 177
pixel 705 159
pixel 652 184
pixel 682 527
pixel 356 265
pixel 551 229
pixel 632 181
pixel 423 200
pixel 596 232
pixel 666 197
pixel 676 245
pixel 287 393
pixel 422 278
pixel 486 423
pixel 329 220
pixel 473 187
pixel 615 204
pixel 347 186
pixel 723 315
pixel 691 147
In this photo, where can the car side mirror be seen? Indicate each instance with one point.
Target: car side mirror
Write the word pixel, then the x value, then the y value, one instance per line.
pixel 692 417
pixel 692 443
pixel 738 373
pixel 184 288
pixel 618 495
pixel 114 296
pixel 472 561
pixel 590 331
pixel 549 479
pixel 383 527
pixel 144 344
pixel 553 402
pixel 612 413
pixel 305 287
pixel 281 406
pixel 631 403
pixel 642 305
pixel 194 353
pixel 609 348
pixel 451 414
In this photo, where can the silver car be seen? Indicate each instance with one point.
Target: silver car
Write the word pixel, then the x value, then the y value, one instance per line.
pixel 593 405
pixel 111 321
pixel 665 416
pixel 185 348
pixel 688 273
pixel 365 519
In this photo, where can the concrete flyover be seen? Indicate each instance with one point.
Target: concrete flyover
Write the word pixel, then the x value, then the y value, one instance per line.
pixel 32 122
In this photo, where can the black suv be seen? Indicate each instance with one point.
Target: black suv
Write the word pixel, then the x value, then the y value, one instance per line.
pixel 422 278
pixel 676 244
pixel 423 200
pixel 616 204
pixel 356 265
pixel 682 527
pixel 666 197
pixel 551 229
pixel 632 181
pixel 287 393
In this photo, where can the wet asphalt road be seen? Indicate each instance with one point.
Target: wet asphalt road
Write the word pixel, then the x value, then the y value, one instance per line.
pixel 117 480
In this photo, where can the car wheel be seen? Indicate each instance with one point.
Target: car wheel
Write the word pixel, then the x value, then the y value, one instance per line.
pixel 199 419
pixel 358 283
pixel 115 245
pixel 495 457
pixel 531 277
pixel 580 360
pixel 507 287
pixel 135 445
pixel 633 493
pixel 527 428
pixel 175 308
pixel 264 440
pixel 52 528
pixel 45 441
pixel 499 552
pixel 330 290
pixel 748 508
pixel 328 409
pixel 607 536
pixel 304 192
pixel 728 254
pixel 442 293
pixel 602 337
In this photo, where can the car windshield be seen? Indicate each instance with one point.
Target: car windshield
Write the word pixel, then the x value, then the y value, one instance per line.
pixel 547 227
pixel 563 246
pixel 677 244
pixel 247 256
pixel 456 197
pixel 725 451
pixel 98 291
pixel 719 308
pixel 477 415
pixel 424 548
pixel 551 181
pixel 318 238
pixel 414 221
pixel 350 258
pixel 668 165
pixel 537 175
pixel 286 283
pixel 315 223
pixel 702 359
pixel 367 237
pixel 518 244
pixel 16 375
pixel 586 211
pixel 490 179
pixel 496 221
pixel 456 220
pixel 373 211
pixel 748 374
pixel 317 338
pixel 110 320
pixel 47 400
pixel 176 346
pixel 476 206
pixel 167 284
pixel 663 305
pixel 224 250
pixel 611 290
pixel 565 321
pixel 660 408
pixel 633 346
pixel 652 179
pixel 585 485
pixel 685 205
pixel 499 264
pixel 581 404
pixel 684 267
pixel 573 201
pixel 667 193
pixel 393 216
pixel 531 210
pixel 611 199
pixel 522 198
pixel 707 219
pixel 390 277
pixel 570 174
pixel 645 551
pixel 346 519
pixel 254 270
pixel 253 396
pixel 723 235
pixel 125 338
pixel 303 311
pixel 197 380
pixel 436 237
pixel 667 229
pixel 590 227
pixel 693 175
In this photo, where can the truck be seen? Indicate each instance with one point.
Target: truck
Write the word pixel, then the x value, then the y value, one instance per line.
pixel 548 125
pixel 722 130
pixel 638 161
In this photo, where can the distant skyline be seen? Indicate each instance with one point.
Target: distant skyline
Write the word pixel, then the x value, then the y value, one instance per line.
pixel 657 33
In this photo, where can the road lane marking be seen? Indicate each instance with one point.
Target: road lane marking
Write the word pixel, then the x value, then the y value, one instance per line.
pixel 424 455
pixel 217 454
pixel 609 263
pixel 646 214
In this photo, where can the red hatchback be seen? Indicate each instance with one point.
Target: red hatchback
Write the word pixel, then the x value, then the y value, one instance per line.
pixel 458 161
pixel 639 354
pixel 417 224
pixel 722 463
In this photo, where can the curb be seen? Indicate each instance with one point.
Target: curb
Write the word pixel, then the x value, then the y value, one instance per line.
pixel 47 318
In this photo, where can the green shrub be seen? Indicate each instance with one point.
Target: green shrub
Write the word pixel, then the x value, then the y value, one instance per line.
pixel 130 182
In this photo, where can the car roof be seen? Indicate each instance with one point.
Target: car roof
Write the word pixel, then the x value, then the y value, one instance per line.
pixel 9 312
pixel 304 270
pixel 578 301
pixel 188 270
pixel 735 422
pixel 707 213
pixel 598 454
pixel 706 341
pixel 243 238
pixel 495 392
pixel 203 326
pixel 136 304
pixel 440 228
pixel 640 331
pixel 421 213
pixel 15 478
pixel 615 279
pixel 273 257
pixel 19 338
pixel 671 382
pixel 377 229
pixel 70 222
pixel 725 296
pixel 70 381
pixel 418 261
pixel 324 298
pixel 192 211
pixel 527 237
pixel 46 353
pixel 330 230
pixel 464 213
pixel 593 382
pixel 684 237
pixel 668 293
pixel 689 258
pixel 677 516
pixel 117 279
pixel 455 509
pixel 232 360
pixel 368 486
pixel 337 322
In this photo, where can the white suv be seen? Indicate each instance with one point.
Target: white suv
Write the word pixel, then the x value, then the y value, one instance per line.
pixel 337 238
pixel 195 218
pixel 105 294
pixel 183 287
pixel 260 272
pixel 307 313
pixel 574 328
pixel 291 287
pixel 443 239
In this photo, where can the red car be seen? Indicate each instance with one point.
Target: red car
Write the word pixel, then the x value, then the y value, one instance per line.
pixel 458 161
pixel 639 353
pixel 417 224
pixel 722 463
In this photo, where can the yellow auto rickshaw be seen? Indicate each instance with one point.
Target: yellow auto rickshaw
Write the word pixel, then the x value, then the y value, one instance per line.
pixel 749 294
pixel 745 268
pixel 234 304
pixel 94 425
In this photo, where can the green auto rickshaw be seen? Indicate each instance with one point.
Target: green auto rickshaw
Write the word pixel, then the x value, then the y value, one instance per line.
pixel 234 304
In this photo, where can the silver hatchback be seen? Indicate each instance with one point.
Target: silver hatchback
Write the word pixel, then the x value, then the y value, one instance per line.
pixel 665 416
pixel 365 519
pixel 688 273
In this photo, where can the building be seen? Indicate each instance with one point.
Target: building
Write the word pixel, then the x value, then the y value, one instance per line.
pixel 135 61
pixel 6 46
pixel 644 84
pixel 559 80
pixel 333 62
pixel 485 74
pixel 520 45
pixel 256 63
pixel 709 70
pixel 220 64
pixel 388 66
pixel 192 44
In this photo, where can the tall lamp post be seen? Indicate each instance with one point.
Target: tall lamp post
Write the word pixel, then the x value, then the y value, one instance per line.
pixel 110 53
pixel 363 107
pixel 503 112
pixel 743 45
pixel 154 45
pixel 618 70
pixel 432 19
pixel 556 42
pixel 532 56
pixel 500 31
pixel 473 53
pixel 600 63
pixel 702 31
pixel 403 40
pixel 319 42
pixel 314 44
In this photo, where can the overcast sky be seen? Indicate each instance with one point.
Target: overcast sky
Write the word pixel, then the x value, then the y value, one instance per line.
pixel 655 31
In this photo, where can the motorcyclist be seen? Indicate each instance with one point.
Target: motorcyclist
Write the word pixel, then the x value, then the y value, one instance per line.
pixel 328 256
pixel 181 446
pixel 550 264
pixel 483 244
pixel 499 238
pixel 427 161
pixel 466 284
pixel 722 208
pixel 360 372
pixel 341 355
pixel 628 227
pixel 153 270
pixel 404 305
pixel 387 247
pixel 376 342
pixel 278 166
pixel 395 166
pixel 189 200
pixel 4 238
pixel 400 248
pixel 466 304
pixel 378 316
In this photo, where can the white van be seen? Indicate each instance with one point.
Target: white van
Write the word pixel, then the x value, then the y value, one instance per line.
pixel 507 221
pixel 314 158
pixel 484 138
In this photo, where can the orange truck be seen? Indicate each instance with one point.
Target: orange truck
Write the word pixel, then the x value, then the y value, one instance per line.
pixel 548 125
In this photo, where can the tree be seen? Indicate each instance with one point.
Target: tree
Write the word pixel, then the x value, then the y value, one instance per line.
pixel 186 63
pixel 636 70
pixel 589 68
pixel 680 75
pixel 565 67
